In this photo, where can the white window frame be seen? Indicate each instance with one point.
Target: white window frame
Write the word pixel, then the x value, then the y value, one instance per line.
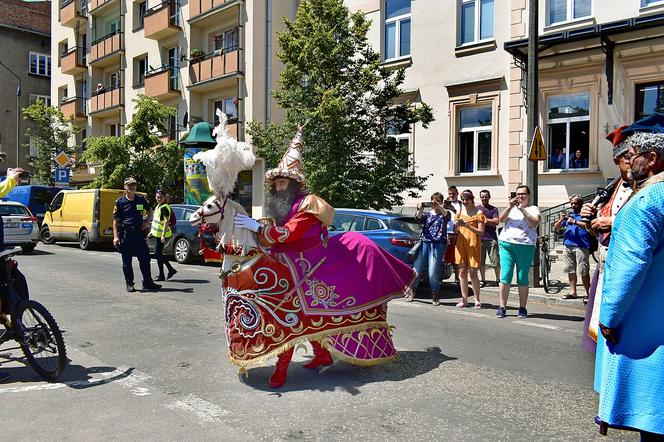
pixel 397 43
pixel 406 136
pixel 138 70
pixel 568 121
pixel 477 23
pixel 223 102
pixel 569 16
pixel 45 98
pixel 476 131
pixel 38 58
pixel 645 4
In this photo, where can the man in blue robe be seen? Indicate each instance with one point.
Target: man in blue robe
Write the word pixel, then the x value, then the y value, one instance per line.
pixel 632 309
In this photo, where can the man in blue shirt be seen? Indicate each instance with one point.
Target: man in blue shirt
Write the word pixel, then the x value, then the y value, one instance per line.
pixel 130 217
pixel 576 246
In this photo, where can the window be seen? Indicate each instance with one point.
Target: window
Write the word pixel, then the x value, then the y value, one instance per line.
pixel 358 224
pixel 649 99
pixel 140 15
pixel 645 3
pixel 568 129
pixel 227 106
pixel 140 69
pixel 373 224
pixel 476 21
pixel 402 137
pixel 227 40
pixel 40 64
pixel 114 130
pixel 474 139
pixel 397 29
pixel 174 65
pixel 559 11
pixel 44 98
pixel 57 201
pixel 342 222
pixel 34 148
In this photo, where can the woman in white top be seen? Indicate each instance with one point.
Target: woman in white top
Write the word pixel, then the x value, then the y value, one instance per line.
pixel 517 244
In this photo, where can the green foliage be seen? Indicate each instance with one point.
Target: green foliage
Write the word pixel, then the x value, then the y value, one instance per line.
pixel 50 134
pixel 140 153
pixel 334 81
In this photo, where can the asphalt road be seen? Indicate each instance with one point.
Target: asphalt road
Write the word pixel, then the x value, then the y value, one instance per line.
pixel 152 366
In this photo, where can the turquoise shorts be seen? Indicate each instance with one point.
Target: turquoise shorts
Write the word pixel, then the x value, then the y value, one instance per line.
pixel 519 255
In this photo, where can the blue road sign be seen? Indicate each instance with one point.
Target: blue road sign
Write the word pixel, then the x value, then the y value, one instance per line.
pixel 62 175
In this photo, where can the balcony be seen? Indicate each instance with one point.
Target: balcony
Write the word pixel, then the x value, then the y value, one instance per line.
pixel 214 70
pixel 72 62
pixel 162 21
pixel 74 108
pixel 162 83
pixel 106 102
pixel 99 6
pixel 73 11
pixel 106 50
pixel 205 12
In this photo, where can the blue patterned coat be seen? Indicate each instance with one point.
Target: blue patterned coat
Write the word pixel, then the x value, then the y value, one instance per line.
pixel 632 374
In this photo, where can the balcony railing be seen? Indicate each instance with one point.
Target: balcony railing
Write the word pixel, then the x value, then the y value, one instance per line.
pixel 106 99
pixel 73 61
pixel 105 46
pixel 162 82
pixel 198 8
pixel 162 20
pixel 73 107
pixel 215 65
pixel 71 10
pixel 96 4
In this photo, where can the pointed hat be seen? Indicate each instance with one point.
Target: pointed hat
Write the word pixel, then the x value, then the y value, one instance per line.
pixel 290 165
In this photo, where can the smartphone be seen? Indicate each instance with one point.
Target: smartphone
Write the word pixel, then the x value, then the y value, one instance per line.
pixel 427 204
pixel 512 195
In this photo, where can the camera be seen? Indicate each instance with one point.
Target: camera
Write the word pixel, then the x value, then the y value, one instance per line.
pixel 512 195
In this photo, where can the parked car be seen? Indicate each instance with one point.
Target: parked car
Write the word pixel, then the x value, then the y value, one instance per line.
pixel 185 244
pixel 21 228
pixel 84 216
pixel 393 232
pixel 35 198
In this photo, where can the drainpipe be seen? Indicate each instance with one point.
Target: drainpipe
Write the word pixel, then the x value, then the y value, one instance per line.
pixel 268 58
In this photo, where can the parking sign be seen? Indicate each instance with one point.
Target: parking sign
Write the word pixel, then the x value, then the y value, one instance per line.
pixel 62 176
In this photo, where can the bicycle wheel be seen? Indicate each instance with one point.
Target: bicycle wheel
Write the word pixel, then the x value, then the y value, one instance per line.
pixel 544 271
pixel 41 340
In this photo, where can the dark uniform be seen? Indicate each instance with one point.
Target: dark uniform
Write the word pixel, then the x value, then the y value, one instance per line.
pixel 129 215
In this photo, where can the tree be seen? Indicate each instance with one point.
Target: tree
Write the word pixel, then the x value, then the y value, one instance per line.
pixel 140 153
pixel 334 82
pixel 50 134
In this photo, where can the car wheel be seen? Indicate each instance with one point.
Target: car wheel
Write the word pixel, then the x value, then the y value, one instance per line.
pixel 45 236
pixel 28 248
pixel 84 240
pixel 182 250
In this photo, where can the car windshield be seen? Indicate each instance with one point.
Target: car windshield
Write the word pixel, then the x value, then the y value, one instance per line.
pixel 407 225
pixel 9 210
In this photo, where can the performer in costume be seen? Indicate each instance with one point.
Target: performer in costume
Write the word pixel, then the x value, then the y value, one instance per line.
pixel 602 226
pixel 632 309
pixel 341 284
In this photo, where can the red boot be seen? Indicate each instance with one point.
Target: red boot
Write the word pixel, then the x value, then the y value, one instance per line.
pixel 321 358
pixel 278 378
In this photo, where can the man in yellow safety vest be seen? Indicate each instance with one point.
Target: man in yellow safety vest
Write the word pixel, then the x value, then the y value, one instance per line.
pixel 161 230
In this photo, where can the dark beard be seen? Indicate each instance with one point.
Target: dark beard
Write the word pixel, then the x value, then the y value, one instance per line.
pixel 279 203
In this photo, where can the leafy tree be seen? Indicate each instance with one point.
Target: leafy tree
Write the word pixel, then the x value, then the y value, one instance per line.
pixel 335 83
pixel 50 134
pixel 140 153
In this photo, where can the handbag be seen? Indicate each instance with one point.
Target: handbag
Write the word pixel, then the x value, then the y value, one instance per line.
pixel 415 249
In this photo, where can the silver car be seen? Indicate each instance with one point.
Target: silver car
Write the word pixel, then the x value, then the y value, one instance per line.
pixel 21 228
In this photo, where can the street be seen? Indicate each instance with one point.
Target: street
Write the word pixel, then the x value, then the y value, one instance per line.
pixel 152 366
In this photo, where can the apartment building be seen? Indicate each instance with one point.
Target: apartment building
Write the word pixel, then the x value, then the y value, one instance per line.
pixel 601 65
pixel 26 61
pixel 196 55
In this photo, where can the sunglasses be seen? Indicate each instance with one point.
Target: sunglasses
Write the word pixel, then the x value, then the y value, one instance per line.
pixel 628 156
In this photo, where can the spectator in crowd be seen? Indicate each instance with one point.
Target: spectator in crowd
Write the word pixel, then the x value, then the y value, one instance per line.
pixel 632 309
pixel 434 242
pixel 517 243
pixel 469 222
pixel 454 204
pixel 99 89
pixel 576 246
pixel 490 237
pixel 557 159
pixel 578 161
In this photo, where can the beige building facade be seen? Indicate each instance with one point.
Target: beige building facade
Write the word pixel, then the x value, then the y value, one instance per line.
pixel 196 55
pixel 601 65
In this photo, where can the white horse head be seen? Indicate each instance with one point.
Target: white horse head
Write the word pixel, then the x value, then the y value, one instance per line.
pixel 221 212
pixel 226 160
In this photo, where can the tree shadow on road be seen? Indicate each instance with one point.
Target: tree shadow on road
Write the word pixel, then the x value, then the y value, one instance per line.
pixel 556 317
pixel 350 378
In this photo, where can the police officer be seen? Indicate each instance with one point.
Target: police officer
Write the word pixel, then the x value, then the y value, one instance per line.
pixel 161 231
pixel 128 226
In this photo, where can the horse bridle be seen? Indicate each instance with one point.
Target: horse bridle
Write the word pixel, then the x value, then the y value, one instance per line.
pixel 220 209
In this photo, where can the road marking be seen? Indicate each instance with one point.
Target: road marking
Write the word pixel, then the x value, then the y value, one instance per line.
pixel 535 324
pixel 465 313
pixel 200 410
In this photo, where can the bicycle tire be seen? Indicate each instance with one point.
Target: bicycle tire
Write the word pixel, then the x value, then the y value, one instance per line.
pixel 40 335
pixel 544 271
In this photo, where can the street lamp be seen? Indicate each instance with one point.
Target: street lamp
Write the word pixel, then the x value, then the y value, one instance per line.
pixel 18 109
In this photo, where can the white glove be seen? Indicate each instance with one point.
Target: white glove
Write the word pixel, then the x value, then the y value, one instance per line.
pixel 246 222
